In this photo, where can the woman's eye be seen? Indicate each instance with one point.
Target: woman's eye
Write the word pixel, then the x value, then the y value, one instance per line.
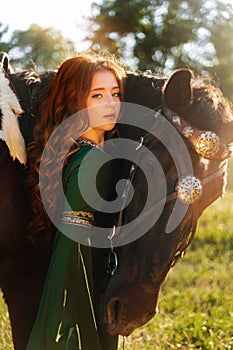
pixel 117 94
pixel 97 96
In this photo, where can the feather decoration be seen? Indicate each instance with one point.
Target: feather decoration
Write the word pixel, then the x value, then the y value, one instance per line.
pixel 11 110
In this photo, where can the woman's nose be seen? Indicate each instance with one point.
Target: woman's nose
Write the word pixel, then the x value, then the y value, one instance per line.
pixel 110 100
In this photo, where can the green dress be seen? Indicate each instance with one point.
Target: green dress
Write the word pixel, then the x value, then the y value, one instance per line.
pixel 70 313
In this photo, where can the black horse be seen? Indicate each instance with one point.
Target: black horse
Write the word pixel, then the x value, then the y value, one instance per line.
pixel 132 294
pixel 190 109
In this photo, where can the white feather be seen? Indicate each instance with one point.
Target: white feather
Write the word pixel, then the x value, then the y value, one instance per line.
pixel 11 110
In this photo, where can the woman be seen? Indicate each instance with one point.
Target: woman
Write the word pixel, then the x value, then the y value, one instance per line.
pixel 70 315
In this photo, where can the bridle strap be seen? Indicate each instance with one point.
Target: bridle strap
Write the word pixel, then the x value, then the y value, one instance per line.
pixel 126 193
pixel 214 175
pixel 205 143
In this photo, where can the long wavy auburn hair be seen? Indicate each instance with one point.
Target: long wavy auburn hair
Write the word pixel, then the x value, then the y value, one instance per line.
pixel 67 95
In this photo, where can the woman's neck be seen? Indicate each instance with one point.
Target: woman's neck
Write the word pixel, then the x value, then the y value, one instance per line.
pixel 93 136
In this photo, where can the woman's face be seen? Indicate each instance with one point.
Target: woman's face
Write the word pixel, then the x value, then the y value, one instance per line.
pixel 103 103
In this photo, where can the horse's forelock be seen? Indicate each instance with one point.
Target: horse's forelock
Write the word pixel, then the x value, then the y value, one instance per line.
pixel 208 108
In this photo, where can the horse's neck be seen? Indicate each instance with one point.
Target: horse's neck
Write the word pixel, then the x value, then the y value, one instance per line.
pixel 145 90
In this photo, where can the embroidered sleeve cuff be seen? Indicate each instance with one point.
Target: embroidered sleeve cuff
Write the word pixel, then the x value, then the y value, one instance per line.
pixel 77 218
pixel 77 225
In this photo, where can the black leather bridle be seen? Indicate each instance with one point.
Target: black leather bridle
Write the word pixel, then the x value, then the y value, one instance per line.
pixel 223 153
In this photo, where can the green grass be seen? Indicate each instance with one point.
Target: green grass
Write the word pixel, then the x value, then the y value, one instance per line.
pixel 196 301
pixel 5 329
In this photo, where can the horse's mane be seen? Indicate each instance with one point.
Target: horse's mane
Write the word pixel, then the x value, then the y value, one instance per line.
pixel 30 89
pixel 209 106
pixel 144 88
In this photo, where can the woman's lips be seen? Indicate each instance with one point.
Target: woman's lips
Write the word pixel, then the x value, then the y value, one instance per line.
pixel 110 117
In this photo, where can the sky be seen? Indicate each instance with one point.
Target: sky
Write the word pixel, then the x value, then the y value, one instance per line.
pixel 66 16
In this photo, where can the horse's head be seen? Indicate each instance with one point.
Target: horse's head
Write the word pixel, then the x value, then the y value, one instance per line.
pixel 193 131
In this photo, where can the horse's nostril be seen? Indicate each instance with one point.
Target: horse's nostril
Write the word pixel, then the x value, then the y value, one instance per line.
pixel 117 310
pixel 113 310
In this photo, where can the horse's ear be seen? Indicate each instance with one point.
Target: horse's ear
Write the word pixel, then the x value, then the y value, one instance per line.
pixel 177 91
pixel 5 62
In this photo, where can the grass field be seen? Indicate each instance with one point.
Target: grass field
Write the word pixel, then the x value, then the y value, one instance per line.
pixel 196 301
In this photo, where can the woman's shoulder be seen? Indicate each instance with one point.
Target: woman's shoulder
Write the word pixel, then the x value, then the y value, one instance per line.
pixel 87 152
pixel 88 156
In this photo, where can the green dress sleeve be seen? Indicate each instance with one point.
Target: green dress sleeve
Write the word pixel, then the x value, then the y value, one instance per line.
pixel 70 313
pixel 80 216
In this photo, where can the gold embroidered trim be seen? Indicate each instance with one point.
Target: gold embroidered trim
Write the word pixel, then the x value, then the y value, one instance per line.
pixel 84 214
pixel 83 218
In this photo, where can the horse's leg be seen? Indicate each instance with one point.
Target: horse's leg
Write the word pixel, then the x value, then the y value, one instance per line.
pixel 22 266
pixel 22 290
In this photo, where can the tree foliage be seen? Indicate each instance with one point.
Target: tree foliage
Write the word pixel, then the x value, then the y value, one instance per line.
pixel 165 35
pixel 38 48
pixel 152 35
pixel 4 46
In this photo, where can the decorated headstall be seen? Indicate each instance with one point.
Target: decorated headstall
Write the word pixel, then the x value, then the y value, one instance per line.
pixel 208 145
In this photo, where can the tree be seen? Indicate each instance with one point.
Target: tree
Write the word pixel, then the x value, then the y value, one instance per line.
pixel 39 48
pixel 165 35
pixel 223 43
pixel 4 46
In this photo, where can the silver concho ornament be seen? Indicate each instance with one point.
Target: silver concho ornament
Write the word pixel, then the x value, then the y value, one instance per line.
pixel 187 131
pixel 207 144
pixel 189 189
